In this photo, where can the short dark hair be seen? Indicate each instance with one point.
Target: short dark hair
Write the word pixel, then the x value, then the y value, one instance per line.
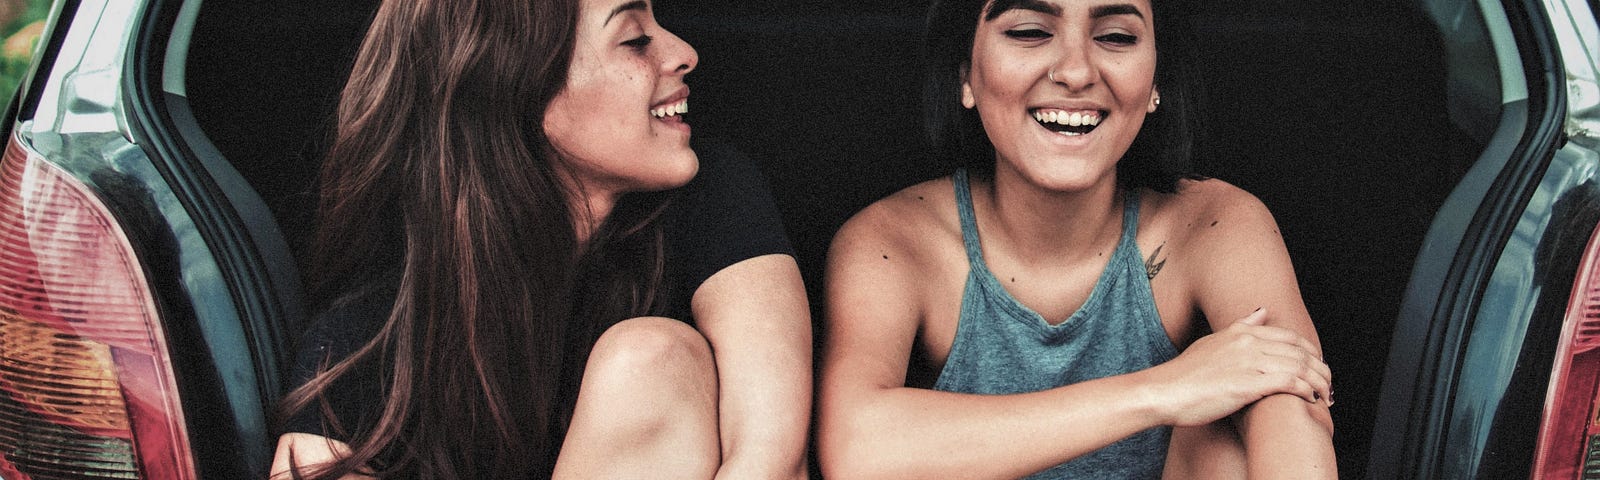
pixel 1160 155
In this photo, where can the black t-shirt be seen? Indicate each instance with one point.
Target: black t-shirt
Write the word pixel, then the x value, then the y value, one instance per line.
pixel 723 216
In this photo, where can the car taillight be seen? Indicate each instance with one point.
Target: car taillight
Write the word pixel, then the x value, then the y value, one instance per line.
pixel 1569 432
pixel 86 385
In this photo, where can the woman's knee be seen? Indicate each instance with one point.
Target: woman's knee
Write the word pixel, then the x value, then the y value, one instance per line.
pixel 652 377
pixel 1212 451
pixel 647 405
pixel 651 347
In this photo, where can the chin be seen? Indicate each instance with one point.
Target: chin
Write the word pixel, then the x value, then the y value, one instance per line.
pixel 1067 184
pixel 675 171
pixel 690 166
pixel 1058 175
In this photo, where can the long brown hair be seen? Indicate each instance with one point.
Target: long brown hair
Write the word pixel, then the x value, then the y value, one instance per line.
pixel 440 181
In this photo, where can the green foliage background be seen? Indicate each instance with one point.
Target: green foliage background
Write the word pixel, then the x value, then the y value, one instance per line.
pixel 12 68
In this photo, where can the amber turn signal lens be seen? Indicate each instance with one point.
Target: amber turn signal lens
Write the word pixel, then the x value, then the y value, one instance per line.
pixel 86 385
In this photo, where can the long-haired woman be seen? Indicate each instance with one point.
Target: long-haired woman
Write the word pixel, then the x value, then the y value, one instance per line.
pixel 1060 291
pixel 512 282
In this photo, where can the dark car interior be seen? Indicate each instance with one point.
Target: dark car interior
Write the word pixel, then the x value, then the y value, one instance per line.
pixel 1333 113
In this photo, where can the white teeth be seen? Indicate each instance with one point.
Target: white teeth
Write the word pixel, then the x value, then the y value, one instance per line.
pixel 677 108
pixel 1074 119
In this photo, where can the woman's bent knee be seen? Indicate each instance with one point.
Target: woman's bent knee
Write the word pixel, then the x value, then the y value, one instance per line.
pixel 647 406
pixel 651 346
pixel 646 373
pixel 1212 451
pixel 651 361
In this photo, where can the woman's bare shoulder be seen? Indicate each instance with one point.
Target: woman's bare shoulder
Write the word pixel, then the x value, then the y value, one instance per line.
pixel 889 259
pixel 910 220
pixel 1211 195
pixel 1213 219
pixel 1210 204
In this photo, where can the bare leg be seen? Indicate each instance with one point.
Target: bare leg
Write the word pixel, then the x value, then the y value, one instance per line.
pixel 647 407
pixel 1212 451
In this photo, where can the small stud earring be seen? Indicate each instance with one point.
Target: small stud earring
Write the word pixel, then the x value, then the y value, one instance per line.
pixel 1052 74
pixel 1158 100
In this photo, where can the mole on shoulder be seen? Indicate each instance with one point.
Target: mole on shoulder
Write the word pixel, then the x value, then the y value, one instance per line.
pixel 885 257
pixel 1214 222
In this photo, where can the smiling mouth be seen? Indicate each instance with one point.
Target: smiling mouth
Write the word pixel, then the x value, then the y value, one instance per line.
pixel 672 110
pixel 1071 123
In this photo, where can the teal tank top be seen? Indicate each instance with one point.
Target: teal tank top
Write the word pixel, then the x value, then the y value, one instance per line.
pixel 1002 347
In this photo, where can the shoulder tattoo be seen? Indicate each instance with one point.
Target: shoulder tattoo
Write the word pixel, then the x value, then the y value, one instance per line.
pixel 1153 263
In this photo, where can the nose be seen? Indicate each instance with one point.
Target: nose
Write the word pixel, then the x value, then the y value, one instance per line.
pixel 677 57
pixel 1073 68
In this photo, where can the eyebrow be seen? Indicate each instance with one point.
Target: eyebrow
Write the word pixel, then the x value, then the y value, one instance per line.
pixel 1002 6
pixel 634 5
pixel 1112 10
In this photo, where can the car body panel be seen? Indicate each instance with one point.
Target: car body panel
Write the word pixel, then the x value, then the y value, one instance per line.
pixel 1472 350
pixel 1507 358
pixel 100 115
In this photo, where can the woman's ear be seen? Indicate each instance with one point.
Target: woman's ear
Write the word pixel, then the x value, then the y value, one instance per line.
pixel 967 100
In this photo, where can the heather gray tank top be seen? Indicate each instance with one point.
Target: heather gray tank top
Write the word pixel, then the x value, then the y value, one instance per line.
pixel 1003 347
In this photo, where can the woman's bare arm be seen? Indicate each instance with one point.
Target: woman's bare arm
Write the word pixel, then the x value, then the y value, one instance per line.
pixel 1244 265
pixel 755 315
pixel 871 426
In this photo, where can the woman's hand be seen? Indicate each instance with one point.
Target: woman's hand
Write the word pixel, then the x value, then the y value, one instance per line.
pixel 302 453
pixel 1227 370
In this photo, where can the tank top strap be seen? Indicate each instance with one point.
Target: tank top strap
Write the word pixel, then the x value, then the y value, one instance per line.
pixel 969 219
pixel 1130 216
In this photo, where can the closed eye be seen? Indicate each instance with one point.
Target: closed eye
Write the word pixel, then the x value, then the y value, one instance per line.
pixel 1118 39
pixel 1028 34
pixel 639 43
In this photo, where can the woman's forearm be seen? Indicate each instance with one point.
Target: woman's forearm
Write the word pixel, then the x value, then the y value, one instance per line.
pixel 755 315
pixel 765 405
pixel 1296 435
pixel 915 433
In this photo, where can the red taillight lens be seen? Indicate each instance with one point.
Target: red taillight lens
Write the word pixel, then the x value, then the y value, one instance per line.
pixel 86 386
pixel 1569 432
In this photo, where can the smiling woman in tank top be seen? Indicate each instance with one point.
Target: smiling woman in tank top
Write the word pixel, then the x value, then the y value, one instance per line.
pixel 1085 307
